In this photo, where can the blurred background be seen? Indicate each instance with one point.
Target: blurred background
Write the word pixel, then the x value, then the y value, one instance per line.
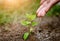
pixel 13 11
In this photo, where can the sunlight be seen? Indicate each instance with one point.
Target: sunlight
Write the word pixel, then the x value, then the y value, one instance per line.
pixel 11 3
pixel 14 4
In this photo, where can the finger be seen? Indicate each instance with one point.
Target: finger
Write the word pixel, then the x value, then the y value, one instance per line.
pixel 42 1
pixel 41 9
pixel 43 5
pixel 42 12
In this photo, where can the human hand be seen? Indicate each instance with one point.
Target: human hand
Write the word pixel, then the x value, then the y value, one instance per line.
pixel 45 6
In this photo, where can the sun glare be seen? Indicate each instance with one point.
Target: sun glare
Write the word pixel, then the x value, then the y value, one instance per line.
pixel 13 4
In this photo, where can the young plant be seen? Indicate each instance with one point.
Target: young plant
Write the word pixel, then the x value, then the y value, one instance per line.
pixel 29 22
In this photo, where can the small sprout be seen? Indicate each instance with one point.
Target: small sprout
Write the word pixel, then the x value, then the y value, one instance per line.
pixel 31 16
pixel 26 35
pixel 25 23
pixel 30 23
pixel 34 23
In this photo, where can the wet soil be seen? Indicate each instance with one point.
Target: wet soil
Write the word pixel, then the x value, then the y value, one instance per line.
pixel 47 30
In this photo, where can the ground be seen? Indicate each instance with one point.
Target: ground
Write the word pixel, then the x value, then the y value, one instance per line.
pixel 47 30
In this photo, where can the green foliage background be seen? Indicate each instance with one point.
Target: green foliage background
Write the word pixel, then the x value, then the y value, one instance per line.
pixel 7 16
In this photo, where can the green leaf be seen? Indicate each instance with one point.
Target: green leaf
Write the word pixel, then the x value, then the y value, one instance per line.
pixel 25 23
pixel 31 16
pixel 26 35
pixel 34 23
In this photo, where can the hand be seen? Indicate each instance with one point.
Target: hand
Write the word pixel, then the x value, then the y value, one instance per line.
pixel 45 6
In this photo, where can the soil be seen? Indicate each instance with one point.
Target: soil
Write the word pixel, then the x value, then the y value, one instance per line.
pixel 47 30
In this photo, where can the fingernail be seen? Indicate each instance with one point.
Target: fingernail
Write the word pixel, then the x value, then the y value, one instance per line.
pixel 41 13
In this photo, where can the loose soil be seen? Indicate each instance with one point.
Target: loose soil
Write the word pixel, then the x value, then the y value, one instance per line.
pixel 47 30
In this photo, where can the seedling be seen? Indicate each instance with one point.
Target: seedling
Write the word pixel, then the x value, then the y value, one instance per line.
pixel 29 22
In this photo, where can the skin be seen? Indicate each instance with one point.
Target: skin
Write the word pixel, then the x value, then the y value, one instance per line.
pixel 45 6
